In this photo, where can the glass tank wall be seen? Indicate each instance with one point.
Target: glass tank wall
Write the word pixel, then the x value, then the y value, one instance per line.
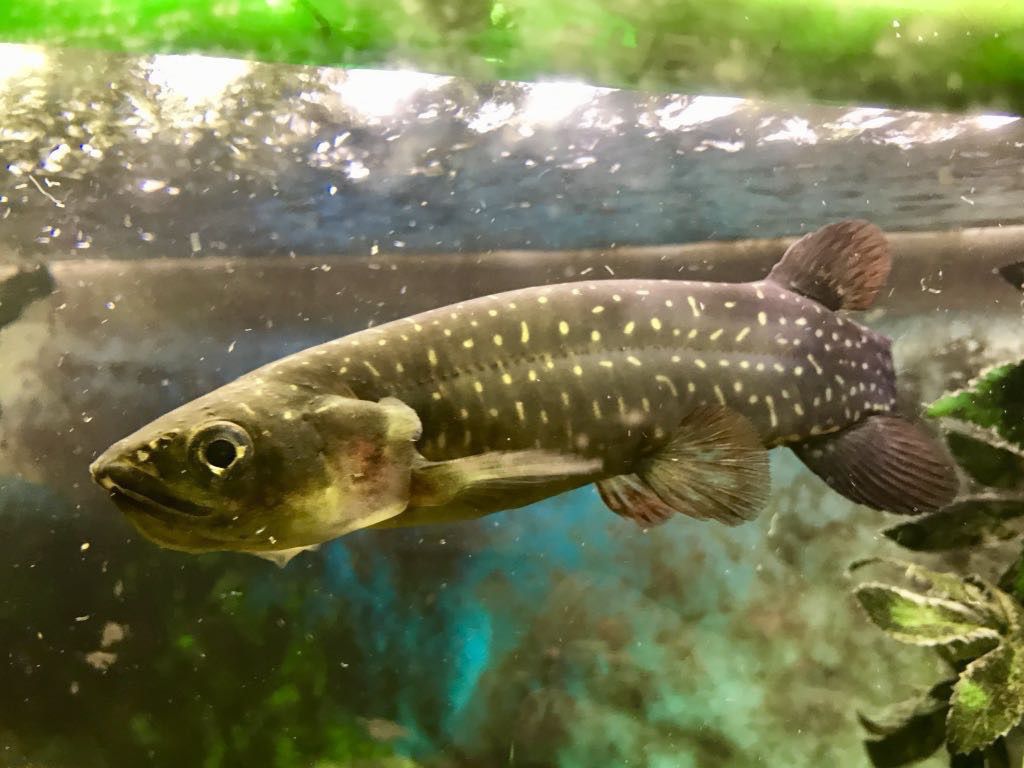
pixel 168 224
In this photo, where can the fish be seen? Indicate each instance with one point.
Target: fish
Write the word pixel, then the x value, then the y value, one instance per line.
pixel 666 395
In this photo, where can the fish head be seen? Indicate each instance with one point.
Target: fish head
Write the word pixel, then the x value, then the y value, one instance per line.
pixel 263 472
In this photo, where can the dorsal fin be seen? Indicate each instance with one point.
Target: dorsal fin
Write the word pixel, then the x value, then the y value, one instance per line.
pixel 842 265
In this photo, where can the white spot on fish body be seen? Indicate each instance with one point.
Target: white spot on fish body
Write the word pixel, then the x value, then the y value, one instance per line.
pixel 633 361
pixel 693 306
pixel 628 330
pixel 762 318
pixel 468 343
pixel 655 323
pixel 498 341
pixel 743 333
pixel 595 335
pixel 597 310
pixel 524 332
pixel 692 334
pixel 700 363
pixel 479 387
pixel 563 327
pixel 606 364
pixel 715 335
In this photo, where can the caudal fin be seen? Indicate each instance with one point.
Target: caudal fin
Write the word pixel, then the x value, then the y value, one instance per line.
pixel 841 265
pixel 885 462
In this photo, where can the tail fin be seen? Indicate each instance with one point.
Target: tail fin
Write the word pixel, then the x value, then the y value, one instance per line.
pixel 885 462
pixel 841 265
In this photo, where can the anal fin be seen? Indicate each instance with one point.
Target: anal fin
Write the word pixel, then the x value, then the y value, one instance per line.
pixel 629 496
pixel 884 462
pixel 714 467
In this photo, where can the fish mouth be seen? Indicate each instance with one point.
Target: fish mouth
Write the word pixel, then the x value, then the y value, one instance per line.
pixel 136 491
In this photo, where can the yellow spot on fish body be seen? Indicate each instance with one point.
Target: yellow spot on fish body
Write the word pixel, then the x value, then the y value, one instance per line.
pixel 616 297
pixel 693 305
pixel 498 341
pixel 417 327
pixel 436 395
pixel 493 412
pixel 597 310
pixel 468 343
pixel 752 399
pixel 577 370
pixel 714 336
pixel 730 304
pixel 506 378
pixel 520 411
pixel 544 416
pixel 621 404
pixel 798 371
pixel 492 312
pixel 595 335
pixel 370 368
pixel 772 416
pixel 563 328
pixel 700 363
pixel 288 415
pixel 801 321
pixel 798 409
pixel 668 303
pixel 743 333
pixel 524 332
pixel 565 398
pixel 633 361
pixel 596 407
pixel 655 323
pixel 382 342
pixel 645 404
pixel 542 299
pixel 432 356
pixel 779 367
pixel 762 318
pixel 447 331
pixel 532 375
pixel 737 386
pixel 478 386
pixel 719 394
pixel 661 378
pixel 676 358
pixel 629 328
pixel 606 364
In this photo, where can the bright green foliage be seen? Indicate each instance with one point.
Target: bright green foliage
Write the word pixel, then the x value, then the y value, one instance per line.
pixel 892 52
pixel 986 700
pixel 994 401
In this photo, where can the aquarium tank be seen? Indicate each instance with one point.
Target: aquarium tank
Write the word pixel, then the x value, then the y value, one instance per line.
pixel 189 192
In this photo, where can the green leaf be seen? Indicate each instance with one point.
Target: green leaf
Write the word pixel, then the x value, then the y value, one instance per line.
pixel 988 464
pixel 909 731
pixel 972 522
pixel 921 620
pixel 995 401
pixel 988 700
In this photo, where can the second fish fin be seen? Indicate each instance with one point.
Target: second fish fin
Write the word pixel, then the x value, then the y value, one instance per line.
pixel 841 265
pixel 884 462
pixel 483 477
pixel 714 467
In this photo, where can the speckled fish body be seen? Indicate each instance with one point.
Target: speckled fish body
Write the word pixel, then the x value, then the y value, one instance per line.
pixel 609 368
pixel 665 394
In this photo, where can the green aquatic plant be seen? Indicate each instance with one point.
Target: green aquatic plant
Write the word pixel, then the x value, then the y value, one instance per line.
pixel 974 625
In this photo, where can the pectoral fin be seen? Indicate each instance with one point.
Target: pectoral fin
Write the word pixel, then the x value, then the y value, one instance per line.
pixel 485 479
pixel 281 557
pixel 714 467
pixel 884 462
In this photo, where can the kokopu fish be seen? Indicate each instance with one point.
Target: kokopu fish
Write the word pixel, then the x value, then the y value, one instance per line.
pixel 665 394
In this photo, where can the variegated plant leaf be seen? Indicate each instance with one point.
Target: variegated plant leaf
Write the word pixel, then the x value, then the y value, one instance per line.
pixel 975 521
pixel 909 731
pixel 988 699
pixel 920 619
pixel 993 401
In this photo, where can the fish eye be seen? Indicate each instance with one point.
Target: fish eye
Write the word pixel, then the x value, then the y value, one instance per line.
pixel 220 446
